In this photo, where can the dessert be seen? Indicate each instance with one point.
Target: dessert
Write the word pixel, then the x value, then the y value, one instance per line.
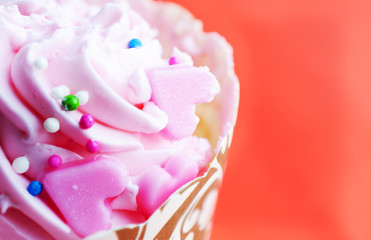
pixel 97 116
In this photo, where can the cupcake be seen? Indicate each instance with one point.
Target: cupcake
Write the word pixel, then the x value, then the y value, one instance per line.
pixel 116 117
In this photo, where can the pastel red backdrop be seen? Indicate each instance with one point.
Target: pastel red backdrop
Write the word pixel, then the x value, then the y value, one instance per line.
pixel 300 163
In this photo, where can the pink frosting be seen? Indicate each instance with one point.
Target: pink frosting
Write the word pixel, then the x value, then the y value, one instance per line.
pixel 144 112
pixel 81 191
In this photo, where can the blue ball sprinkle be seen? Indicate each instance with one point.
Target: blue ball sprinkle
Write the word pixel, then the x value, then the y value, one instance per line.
pixel 35 188
pixel 135 43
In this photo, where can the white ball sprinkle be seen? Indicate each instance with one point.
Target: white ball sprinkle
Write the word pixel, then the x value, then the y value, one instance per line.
pixel 83 97
pixel 41 63
pixel 21 164
pixel 60 91
pixel 51 125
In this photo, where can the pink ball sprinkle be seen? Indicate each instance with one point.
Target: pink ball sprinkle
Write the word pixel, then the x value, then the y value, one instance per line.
pixel 86 121
pixel 92 146
pixel 55 161
pixel 173 61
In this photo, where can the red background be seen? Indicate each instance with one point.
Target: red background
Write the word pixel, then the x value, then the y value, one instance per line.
pixel 300 163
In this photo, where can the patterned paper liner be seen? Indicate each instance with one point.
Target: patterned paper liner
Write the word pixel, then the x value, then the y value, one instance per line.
pixel 187 214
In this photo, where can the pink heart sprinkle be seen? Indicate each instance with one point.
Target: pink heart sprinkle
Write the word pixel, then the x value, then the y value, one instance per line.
pixel 175 90
pixel 173 61
pixel 157 184
pixel 80 190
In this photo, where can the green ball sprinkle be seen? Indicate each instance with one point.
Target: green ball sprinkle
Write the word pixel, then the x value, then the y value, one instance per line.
pixel 70 103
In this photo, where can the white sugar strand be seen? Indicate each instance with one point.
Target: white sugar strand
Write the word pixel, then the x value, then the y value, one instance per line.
pixel 83 97
pixel 41 63
pixel 21 164
pixel 60 91
pixel 51 125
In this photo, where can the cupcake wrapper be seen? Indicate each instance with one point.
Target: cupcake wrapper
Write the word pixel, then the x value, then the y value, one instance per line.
pixel 187 214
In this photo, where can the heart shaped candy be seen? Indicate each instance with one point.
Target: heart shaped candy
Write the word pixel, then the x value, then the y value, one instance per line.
pixel 80 190
pixel 175 90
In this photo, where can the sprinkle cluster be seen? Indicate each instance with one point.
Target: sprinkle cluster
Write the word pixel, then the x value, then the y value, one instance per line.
pixel 69 102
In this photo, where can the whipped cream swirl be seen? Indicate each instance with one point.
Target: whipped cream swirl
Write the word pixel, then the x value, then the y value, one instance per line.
pixel 143 109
